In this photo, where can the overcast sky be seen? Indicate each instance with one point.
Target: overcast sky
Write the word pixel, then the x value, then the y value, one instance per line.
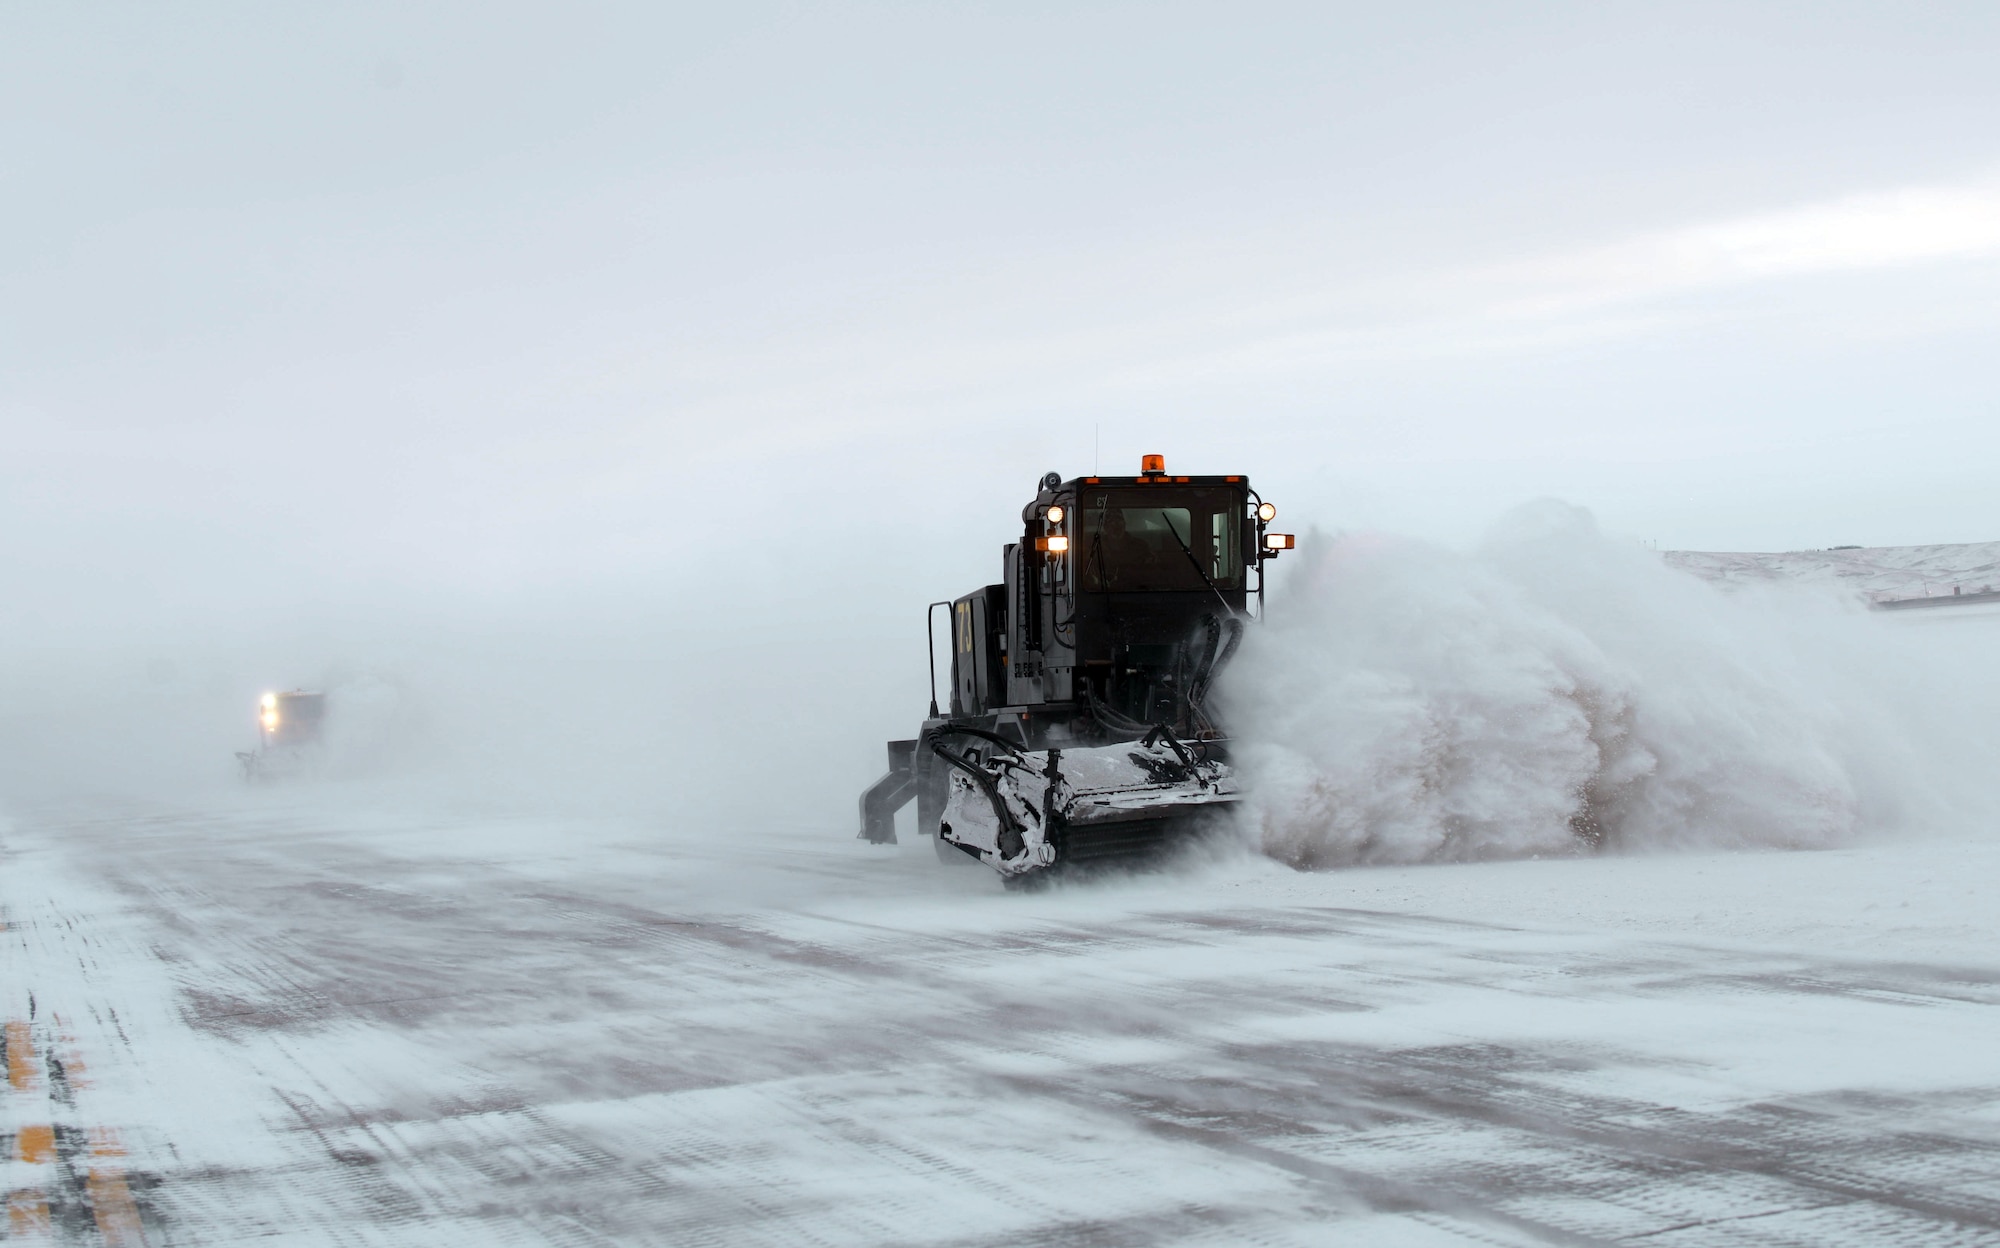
pixel 340 303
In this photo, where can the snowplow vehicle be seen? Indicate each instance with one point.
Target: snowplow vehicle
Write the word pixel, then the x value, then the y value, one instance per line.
pixel 1078 731
pixel 290 732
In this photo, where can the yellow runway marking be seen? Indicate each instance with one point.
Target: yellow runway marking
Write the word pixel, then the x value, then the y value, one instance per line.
pixel 36 1145
pixel 21 1071
pixel 27 1207
pixel 111 1200
pixel 73 1068
pixel 72 1053
pixel 104 1187
pixel 27 1213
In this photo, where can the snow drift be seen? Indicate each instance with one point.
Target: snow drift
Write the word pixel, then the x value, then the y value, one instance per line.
pixel 1558 691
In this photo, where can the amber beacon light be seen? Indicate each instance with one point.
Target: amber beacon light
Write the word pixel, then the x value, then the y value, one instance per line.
pixel 1152 465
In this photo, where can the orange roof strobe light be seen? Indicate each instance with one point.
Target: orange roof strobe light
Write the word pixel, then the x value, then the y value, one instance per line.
pixel 1152 465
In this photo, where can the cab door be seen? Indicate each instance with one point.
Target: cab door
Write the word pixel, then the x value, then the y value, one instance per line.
pixel 977 676
pixel 968 620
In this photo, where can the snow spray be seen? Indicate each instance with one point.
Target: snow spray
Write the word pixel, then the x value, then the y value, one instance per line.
pixel 1558 691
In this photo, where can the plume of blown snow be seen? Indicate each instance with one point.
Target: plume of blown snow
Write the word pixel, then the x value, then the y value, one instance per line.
pixel 1557 691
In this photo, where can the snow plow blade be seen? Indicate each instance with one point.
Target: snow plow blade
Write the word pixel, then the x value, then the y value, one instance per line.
pixel 1028 812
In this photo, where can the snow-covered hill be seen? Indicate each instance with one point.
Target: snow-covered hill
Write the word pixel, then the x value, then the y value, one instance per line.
pixel 1875 572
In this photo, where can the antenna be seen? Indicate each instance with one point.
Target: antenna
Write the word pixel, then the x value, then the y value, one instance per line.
pixel 1093 448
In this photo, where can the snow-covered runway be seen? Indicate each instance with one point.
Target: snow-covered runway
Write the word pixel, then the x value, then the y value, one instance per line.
pixel 271 1019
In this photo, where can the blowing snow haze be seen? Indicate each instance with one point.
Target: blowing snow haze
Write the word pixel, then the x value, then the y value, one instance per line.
pixel 585 400
pixel 617 382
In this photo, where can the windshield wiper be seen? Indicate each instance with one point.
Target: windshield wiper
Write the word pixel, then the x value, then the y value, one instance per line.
pixel 1192 561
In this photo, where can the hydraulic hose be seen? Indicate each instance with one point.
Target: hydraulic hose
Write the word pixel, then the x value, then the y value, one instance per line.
pixel 961 730
pixel 1112 719
pixel 1161 731
pixel 1229 633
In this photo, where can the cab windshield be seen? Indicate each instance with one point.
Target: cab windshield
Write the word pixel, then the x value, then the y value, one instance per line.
pixel 1158 538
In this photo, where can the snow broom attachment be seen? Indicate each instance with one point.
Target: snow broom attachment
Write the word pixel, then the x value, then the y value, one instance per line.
pixel 1028 811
